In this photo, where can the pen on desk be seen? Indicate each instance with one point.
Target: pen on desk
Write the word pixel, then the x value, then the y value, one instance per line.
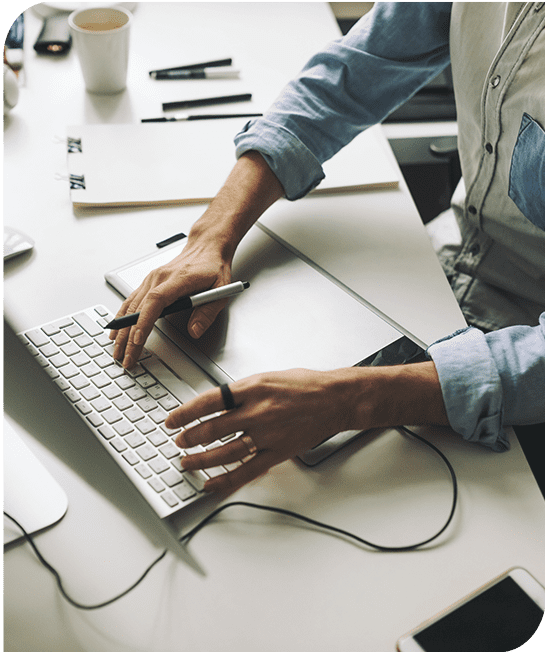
pixel 207 101
pixel 185 303
pixel 218 73
pixel 204 116
pixel 195 66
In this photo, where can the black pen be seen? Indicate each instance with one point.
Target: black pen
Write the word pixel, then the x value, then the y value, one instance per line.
pixel 207 101
pixel 185 303
pixel 218 73
pixel 204 116
pixel 195 66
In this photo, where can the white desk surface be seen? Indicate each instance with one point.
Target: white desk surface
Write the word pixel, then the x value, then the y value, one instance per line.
pixel 270 584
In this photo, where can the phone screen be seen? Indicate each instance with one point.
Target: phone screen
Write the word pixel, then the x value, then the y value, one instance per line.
pixel 502 618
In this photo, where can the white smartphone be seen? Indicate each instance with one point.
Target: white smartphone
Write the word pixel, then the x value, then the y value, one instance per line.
pixel 499 616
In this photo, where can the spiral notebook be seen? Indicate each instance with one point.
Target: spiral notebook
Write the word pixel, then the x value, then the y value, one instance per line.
pixel 187 163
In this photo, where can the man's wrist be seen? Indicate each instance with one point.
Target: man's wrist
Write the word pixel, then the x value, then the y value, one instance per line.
pixel 397 395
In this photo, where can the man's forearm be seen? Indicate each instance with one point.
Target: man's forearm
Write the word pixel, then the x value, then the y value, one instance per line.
pixel 248 191
pixel 389 396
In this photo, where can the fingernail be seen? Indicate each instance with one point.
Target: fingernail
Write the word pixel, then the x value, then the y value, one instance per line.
pixel 127 362
pixel 197 329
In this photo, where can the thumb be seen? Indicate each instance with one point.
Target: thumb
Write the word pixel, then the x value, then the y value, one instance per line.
pixel 203 317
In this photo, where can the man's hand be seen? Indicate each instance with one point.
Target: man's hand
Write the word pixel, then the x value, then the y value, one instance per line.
pixel 286 413
pixel 206 259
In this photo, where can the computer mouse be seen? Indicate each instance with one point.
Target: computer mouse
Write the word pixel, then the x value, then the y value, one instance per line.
pixel 16 242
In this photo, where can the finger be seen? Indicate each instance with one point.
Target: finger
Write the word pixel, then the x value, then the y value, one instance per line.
pixel 251 470
pixel 234 451
pixel 207 403
pixel 150 310
pixel 130 305
pixel 203 317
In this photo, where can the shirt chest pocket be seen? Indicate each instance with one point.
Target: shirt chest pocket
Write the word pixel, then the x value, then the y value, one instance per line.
pixel 527 173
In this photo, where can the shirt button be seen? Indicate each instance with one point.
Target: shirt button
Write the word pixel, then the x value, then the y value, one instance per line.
pixel 494 82
pixel 472 210
pixel 489 148
pixel 474 249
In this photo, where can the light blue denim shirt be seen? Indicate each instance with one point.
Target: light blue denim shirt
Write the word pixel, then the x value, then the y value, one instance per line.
pixel 488 380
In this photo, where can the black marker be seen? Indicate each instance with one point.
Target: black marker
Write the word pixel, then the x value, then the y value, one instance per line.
pixel 203 116
pixel 207 101
pixel 194 66
pixel 185 303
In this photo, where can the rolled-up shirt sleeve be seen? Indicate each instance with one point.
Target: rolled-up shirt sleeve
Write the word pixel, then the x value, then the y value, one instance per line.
pixel 352 84
pixel 492 380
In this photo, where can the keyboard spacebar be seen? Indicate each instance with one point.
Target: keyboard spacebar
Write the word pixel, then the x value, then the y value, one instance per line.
pixel 181 390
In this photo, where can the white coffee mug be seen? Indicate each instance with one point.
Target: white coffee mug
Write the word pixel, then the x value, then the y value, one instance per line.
pixel 101 39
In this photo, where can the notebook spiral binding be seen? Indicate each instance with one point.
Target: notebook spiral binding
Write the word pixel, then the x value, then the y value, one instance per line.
pixel 77 182
pixel 74 145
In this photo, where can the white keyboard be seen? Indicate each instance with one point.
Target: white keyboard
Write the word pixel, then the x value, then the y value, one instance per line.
pixel 126 410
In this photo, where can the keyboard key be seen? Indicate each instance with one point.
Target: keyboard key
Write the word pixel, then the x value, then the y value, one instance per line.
pixel 145 381
pixel 145 426
pixel 90 393
pixel 60 339
pixel 135 439
pixel 90 370
pixel 135 393
pixel 156 485
pixel 196 478
pixel 147 404
pixel 170 499
pixel 95 419
pixel 70 349
pixel 58 360
pixel 119 444
pixel 136 371
pixel 171 477
pixel 131 457
pixel 79 359
pixel 125 381
pixel 168 403
pixel 170 450
pixel 83 340
pixel 100 380
pixel 49 349
pixel 69 371
pixel 143 470
pixel 93 350
pixel 134 414
pixel 106 432
pixel 146 452
pixel 123 428
pixel 100 404
pixel 83 408
pixel 112 415
pixel 158 438
pixel 114 371
pixel 123 402
pixel 37 337
pixel 111 391
pixel 73 330
pixel 184 491
pixel 90 326
pixel 159 464
pixel 180 389
pixel 157 392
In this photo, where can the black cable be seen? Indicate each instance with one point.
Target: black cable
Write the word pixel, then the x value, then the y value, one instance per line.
pixel 59 580
pixel 330 528
pixel 278 510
